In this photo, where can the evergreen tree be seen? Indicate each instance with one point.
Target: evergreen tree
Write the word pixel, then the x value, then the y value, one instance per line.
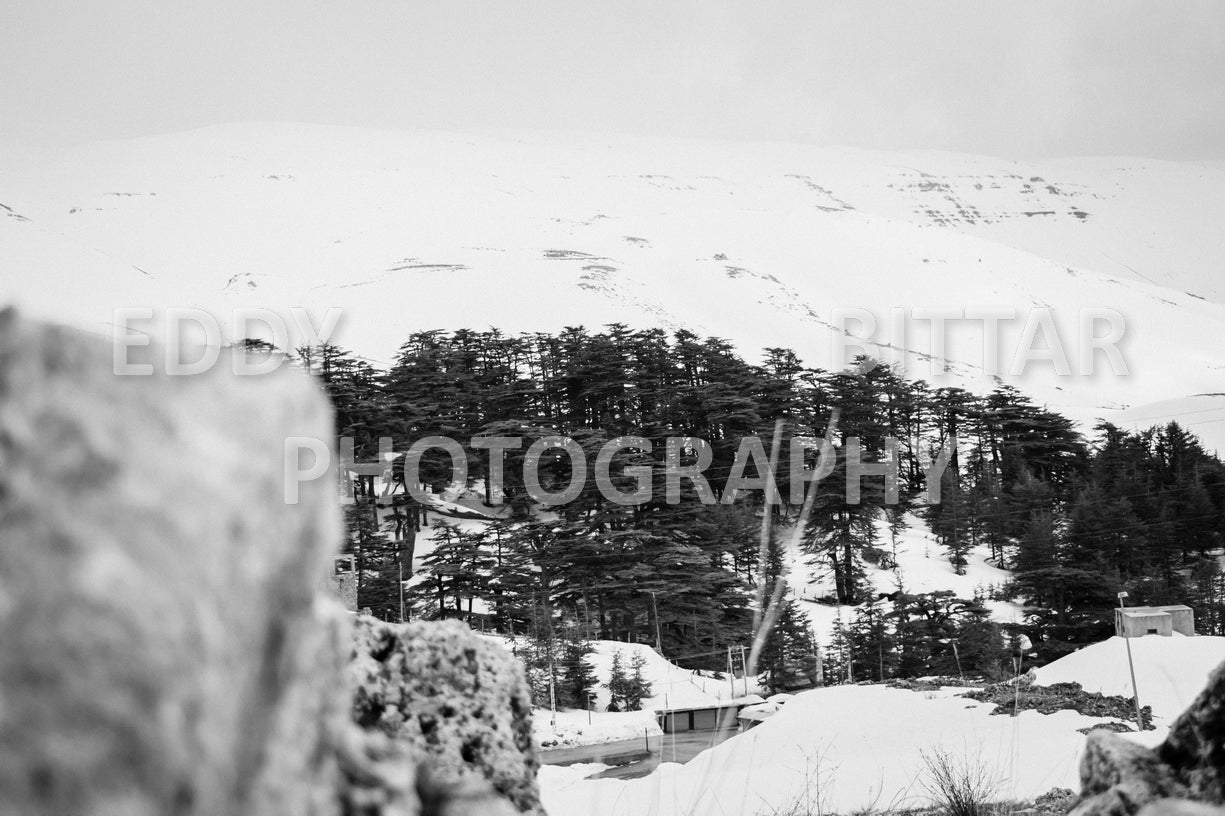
pixel 618 685
pixel 873 643
pixel 578 677
pixel 637 687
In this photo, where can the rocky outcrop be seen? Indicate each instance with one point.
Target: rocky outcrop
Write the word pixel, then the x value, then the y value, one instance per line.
pixel 1183 775
pixel 459 700
pixel 167 647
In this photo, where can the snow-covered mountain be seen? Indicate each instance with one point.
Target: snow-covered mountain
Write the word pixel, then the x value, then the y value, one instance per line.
pixel 755 242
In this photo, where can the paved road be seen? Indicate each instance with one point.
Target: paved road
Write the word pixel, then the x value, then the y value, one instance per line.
pixel 631 758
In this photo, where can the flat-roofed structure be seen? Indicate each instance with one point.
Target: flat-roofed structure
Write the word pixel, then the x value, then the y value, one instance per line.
pixel 1138 621
pixel 710 717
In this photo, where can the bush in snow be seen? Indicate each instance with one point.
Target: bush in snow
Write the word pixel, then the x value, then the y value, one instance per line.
pixel 962 786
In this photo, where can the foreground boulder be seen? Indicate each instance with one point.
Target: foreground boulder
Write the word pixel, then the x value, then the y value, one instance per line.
pixel 167 647
pixel 1184 775
pixel 164 651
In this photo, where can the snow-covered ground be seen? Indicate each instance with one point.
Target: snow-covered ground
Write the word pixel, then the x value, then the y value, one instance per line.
pixel 560 777
pixel 575 727
pixel 922 566
pixel 1170 671
pixel 854 747
pixel 857 747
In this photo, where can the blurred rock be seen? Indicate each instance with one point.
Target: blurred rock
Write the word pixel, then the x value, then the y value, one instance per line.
pixel 165 648
pixel 169 646
pixel 461 702
pixel 1180 807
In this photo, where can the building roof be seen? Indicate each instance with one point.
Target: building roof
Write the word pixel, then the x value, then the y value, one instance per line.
pixel 1151 611
pixel 751 699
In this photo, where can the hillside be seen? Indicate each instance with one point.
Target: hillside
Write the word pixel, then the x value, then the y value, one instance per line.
pixel 757 243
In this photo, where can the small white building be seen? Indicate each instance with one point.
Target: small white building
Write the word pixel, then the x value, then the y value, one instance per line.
pixel 709 717
pixel 1138 621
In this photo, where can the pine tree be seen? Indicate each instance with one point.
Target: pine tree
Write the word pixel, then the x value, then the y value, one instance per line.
pixel 874 643
pixel 637 687
pixel 788 658
pixel 578 677
pixel 839 660
pixel 618 685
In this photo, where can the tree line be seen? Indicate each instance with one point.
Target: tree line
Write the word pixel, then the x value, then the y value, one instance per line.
pixel 1076 520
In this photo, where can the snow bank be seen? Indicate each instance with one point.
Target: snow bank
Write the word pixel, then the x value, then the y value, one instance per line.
pixel 572 728
pixel 671 686
pixel 1170 671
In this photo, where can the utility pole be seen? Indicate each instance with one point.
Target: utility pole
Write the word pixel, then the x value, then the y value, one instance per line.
pixel 659 644
pixel 401 565
pixel 1131 666
pixel 552 691
pixel 731 678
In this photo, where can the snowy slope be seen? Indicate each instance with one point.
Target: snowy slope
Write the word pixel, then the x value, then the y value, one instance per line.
pixel 759 243
pixel 922 566
pixel 671 687
pixel 1170 671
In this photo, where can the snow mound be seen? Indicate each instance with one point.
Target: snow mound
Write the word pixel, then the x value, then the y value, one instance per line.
pixel 1170 671
pixel 671 686
pixel 577 727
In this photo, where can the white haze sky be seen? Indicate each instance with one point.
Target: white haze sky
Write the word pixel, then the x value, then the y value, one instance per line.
pixel 1019 79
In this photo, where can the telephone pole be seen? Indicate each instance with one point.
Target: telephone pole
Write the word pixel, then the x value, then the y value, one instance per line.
pixel 401 565
pixel 659 644
pixel 1131 666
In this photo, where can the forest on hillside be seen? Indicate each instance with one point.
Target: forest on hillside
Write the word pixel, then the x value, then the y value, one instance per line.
pixel 1076 520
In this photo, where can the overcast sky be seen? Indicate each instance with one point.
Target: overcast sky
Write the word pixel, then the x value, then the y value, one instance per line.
pixel 1027 79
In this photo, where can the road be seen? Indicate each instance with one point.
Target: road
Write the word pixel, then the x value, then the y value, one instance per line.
pixel 631 759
